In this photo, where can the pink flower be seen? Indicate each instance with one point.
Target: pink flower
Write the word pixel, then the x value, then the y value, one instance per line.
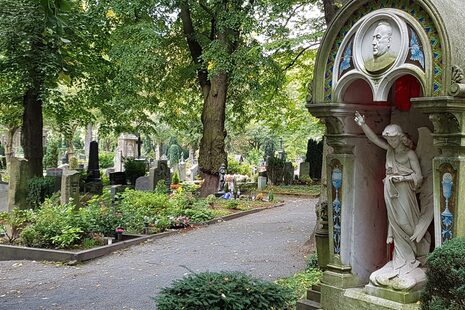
pixel 119 230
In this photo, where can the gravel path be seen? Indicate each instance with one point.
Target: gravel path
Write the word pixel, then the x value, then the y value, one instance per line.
pixel 269 244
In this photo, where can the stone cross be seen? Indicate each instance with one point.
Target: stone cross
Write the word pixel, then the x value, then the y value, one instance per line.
pixel 139 145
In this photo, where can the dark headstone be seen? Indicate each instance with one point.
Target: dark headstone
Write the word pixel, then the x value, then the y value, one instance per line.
pixel 221 183
pixel 118 178
pixel 161 172
pixel 93 168
pixel 315 158
pixel 288 173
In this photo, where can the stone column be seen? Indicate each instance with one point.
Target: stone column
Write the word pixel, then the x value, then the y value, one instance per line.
pixel 448 117
pixel 356 215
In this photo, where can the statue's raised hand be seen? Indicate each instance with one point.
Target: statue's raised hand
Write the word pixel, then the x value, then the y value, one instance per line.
pixel 359 118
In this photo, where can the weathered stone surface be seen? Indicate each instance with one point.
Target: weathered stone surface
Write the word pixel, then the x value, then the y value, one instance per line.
pixel 261 183
pixel 144 184
pixel 70 187
pixel 3 196
pixel 118 178
pixel 19 177
pixel 304 170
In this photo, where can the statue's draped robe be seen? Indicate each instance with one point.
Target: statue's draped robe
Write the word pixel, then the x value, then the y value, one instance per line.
pixel 403 213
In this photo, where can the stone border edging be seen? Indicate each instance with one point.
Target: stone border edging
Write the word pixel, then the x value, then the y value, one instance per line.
pixel 13 252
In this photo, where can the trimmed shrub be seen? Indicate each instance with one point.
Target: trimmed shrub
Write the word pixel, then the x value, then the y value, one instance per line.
pixel 38 189
pixel 445 288
pixel 235 167
pixel 225 291
pixel 134 169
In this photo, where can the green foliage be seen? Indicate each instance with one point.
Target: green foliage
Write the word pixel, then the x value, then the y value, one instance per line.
pixel 161 187
pixel 98 216
pixel 38 189
pixel 445 288
pixel 275 170
pixel 225 291
pixel 136 208
pixel 175 178
pixel 235 167
pixel 134 169
pixel 232 204
pixel 174 154
pixel 51 156
pixel 300 282
pixel 15 220
pixel 53 226
pixel 105 159
pixel 312 261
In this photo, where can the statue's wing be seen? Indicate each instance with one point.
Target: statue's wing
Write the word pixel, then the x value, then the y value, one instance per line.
pixel 426 152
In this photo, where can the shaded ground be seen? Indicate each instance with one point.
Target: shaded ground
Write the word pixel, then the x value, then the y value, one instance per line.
pixel 269 244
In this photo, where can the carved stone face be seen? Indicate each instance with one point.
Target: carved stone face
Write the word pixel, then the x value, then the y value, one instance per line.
pixel 394 141
pixel 382 39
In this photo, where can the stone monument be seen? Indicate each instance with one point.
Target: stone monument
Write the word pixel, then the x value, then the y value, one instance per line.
pixel 19 176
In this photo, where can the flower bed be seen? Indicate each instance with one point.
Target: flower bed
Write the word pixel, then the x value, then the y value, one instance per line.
pixel 61 227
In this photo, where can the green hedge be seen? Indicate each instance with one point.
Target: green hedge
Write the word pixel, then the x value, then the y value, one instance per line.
pixel 445 288
pixel 38 189
pixel 224 291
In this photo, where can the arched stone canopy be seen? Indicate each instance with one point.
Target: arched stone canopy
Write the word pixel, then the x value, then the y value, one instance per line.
pixel 438 24
pixel 370 49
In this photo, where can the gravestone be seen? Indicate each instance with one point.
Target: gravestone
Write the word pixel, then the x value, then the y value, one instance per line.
pixel 288 173
pixel 127 148
pixel 261 183
pixel 93 183
pixel 144 183
pixel 19 177
pixel 304 171
pixel 161 172
pixel 57 174
pixel 3 195
pixel 315 158
pixel 70 187
pixel 118 178
pixel 182 171
pixel 194 172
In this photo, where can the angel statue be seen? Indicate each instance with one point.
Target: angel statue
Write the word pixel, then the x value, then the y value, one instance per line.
pixel 406 224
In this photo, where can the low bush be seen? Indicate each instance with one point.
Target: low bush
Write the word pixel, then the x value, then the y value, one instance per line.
pixel 445 288
pixel 225 291
pixel 38 189
pixel 235 167
pixel 53 226
pixel 134 169
pixel 105 160
pixel 300 282
pixel 16 221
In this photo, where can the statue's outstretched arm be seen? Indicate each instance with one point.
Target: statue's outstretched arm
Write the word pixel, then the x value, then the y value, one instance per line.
pixel 360 120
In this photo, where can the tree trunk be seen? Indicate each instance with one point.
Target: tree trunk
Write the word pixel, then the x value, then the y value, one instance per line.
pixel 31 134
pixel 9 152
pixel 212 153
pixel 330 10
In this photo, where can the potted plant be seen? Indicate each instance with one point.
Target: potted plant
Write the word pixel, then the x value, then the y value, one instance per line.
pixel 175 181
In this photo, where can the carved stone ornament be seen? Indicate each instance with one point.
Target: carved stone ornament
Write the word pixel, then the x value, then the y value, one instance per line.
pixel 334 125
pixel 309 97
pixel 457 75
pixel 445 123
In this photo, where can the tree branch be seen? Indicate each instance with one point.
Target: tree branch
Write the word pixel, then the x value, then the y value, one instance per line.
pixel 293 61
pixel 194 46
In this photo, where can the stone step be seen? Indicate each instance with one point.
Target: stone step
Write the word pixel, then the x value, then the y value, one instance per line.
pixel 313 295
pixel 305 304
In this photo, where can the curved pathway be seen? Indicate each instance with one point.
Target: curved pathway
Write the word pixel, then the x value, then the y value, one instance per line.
pixel 269 244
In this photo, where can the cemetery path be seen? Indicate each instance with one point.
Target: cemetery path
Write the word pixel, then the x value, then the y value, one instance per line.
pixel 269 244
